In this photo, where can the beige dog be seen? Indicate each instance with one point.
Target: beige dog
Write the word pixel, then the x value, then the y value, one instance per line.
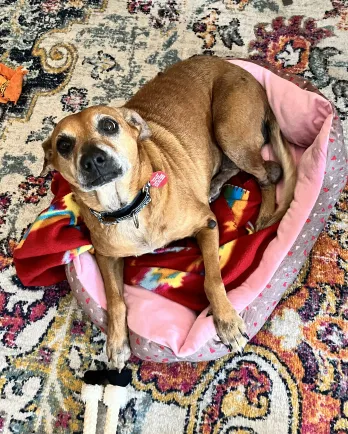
pixel 197 122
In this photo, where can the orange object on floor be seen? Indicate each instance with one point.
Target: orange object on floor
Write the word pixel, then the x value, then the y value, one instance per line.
pixel 11 82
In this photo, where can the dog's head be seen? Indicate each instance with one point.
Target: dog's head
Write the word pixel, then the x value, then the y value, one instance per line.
pixel 97 146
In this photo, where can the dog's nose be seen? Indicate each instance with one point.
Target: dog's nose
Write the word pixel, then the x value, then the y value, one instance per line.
pixel 98 167
pixel 93 159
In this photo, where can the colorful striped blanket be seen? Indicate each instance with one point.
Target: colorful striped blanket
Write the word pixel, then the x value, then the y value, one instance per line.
pixel 177 272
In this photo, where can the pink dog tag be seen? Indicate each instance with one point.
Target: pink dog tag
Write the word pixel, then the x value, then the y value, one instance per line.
pixel 158 179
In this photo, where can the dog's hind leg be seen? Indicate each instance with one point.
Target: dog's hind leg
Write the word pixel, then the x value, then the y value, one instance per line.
pixel 252 162
pixel 239 113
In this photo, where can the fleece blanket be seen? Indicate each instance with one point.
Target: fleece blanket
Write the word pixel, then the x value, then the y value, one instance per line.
pixel 58 235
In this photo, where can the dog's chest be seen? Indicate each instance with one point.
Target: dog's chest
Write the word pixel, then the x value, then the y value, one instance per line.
pixel 124 239
pixel 156 230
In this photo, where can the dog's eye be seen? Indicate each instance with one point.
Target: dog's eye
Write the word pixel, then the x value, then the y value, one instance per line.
pixel 109 126
pixel 64 146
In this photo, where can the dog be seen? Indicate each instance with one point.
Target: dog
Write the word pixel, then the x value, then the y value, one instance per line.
pixel 196 124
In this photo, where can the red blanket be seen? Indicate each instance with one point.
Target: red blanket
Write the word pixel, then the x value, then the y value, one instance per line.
pixel 176 272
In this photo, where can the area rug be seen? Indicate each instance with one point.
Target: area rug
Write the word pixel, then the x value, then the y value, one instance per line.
pixel 293 376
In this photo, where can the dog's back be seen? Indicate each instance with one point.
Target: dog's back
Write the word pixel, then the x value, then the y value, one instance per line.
pixel 203 105
pixel 180 99
pixel 178 106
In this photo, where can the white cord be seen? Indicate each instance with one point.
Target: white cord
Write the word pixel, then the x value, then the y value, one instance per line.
pixel 90 395
pixel 114 397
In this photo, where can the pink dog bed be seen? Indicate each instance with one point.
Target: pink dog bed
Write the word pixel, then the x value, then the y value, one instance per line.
pixel 164 331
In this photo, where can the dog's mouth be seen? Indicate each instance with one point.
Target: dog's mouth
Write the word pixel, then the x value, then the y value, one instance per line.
pixel 100 181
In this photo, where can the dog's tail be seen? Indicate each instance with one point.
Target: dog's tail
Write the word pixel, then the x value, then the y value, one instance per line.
pixel 282 151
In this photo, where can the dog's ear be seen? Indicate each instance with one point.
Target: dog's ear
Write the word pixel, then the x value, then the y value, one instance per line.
pixel 47 165
pixel 136 121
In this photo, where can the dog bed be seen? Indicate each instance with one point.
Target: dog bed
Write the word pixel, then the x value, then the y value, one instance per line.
pixel 161 329
pixel 165 331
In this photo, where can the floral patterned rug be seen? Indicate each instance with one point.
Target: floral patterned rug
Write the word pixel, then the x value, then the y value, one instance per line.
pixel 293 377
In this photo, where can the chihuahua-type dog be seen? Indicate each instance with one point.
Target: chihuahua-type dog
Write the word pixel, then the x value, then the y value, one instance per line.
pixel 197 124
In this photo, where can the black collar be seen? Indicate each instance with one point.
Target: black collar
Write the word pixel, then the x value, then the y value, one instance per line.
pixel 129 211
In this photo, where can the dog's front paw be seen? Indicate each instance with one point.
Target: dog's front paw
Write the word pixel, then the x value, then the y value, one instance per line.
pixel 231 330
pixel 118 352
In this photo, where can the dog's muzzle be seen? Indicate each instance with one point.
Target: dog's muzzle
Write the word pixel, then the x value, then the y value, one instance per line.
pixel 97 168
